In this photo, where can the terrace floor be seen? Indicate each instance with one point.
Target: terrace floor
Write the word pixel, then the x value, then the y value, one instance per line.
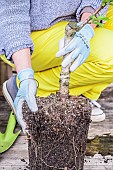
pixel 100 140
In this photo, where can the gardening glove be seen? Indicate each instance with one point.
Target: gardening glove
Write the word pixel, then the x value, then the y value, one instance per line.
pixel 26 92
pixel 9 137
pixel 78 48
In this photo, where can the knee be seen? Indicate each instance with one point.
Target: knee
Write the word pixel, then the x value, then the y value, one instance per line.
pixel 101 46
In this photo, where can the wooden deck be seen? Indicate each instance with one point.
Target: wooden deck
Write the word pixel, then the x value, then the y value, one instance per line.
pixel 16 157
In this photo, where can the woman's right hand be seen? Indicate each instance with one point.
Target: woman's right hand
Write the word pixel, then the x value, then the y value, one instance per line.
pixel 26 92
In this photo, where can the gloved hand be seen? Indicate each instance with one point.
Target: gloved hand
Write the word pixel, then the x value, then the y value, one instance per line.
pixel 27 91
pixel 79 48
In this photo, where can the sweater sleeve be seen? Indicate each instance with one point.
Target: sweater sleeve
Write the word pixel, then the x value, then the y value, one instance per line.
pixel 89 6
pixel 14 26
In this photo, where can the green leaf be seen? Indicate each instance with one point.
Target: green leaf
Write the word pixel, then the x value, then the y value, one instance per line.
pixel 111 4
pixel 92 17
pixel 103 4
pixel 106 2
pixel 98 23
pixel 102 17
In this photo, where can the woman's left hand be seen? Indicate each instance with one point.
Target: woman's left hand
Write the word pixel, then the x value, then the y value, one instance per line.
pixel 78 48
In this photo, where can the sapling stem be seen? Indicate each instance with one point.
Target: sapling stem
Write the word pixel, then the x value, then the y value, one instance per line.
pixel 70 31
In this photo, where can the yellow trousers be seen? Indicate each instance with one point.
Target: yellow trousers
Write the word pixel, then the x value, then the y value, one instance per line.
pixel 90 78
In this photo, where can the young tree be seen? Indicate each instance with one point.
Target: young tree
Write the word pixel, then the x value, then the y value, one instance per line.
pixel 58 131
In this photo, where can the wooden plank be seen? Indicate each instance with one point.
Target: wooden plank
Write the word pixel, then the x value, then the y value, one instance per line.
pixel 17 157
pixel 16 153
pixel 4 113
pixel 1 94
pixel 98 162
pixel 105 127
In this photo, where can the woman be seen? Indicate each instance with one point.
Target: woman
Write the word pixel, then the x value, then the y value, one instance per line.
pixel 42 23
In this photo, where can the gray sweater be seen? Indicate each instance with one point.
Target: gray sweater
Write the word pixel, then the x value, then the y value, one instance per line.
pixel 18 18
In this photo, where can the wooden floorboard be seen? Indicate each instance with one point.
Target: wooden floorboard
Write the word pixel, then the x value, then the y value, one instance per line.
pixel 16 157
pixel 1 94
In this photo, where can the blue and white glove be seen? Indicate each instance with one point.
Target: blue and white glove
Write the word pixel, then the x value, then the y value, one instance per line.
pixel 78 48
pixel 27 91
